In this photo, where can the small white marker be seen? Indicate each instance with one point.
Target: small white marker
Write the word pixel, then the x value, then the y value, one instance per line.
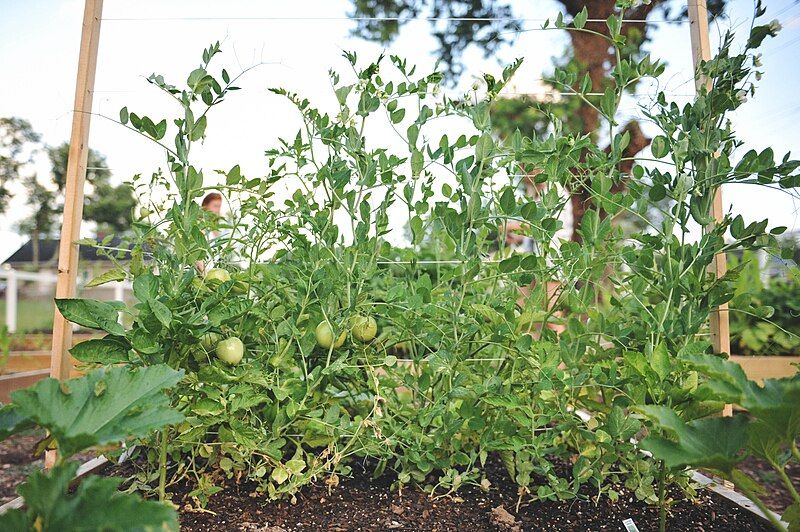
pixel 630 526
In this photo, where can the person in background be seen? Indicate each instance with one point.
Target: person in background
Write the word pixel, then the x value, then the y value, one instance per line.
pixel 212 204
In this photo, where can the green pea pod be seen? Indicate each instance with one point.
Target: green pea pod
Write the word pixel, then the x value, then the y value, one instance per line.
pixel 699 209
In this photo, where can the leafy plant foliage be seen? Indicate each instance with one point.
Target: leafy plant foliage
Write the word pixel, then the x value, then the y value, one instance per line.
pixel 105 406
pixel 267 310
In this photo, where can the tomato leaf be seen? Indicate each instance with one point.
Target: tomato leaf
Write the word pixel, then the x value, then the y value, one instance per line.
pixel 92 313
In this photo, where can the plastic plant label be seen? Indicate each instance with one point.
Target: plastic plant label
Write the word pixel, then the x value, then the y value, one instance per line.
pixel 630 526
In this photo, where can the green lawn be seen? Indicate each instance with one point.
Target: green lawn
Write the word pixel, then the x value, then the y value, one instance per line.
pixel 32 315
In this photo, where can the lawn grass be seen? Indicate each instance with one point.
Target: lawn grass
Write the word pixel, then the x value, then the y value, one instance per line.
pixel 32 315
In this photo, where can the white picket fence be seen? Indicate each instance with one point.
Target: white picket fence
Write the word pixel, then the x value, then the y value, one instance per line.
pixel 13 277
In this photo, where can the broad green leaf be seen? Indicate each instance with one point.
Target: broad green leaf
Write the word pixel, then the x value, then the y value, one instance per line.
pixel 484 148
pixel 398 115
pixel 508 202
pixel 145 286
pixel 132 404
pixel 92 313
pixel 774 404
pixel 234 176
pixel 161 312
pixel 714 443
pixel 580 19
pixel 108 350
pixel 13 421
pixel 96 504
pixel 416 229
pixel 199 129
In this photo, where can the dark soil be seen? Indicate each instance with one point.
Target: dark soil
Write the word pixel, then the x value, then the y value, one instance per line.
pixel 777 497
pixel 17 462
pixel 360 503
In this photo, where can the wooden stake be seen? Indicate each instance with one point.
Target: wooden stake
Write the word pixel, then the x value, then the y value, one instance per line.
pixel 701 51
pixel 60 364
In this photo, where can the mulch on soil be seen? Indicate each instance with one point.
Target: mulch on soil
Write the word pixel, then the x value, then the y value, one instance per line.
pixel 360 503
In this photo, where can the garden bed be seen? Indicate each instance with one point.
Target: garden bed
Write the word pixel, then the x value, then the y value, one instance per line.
pixel 363 503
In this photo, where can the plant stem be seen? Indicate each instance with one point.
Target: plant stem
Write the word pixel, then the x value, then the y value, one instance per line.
pixel 662 492
pixel 761 506
pixel 162 466
pixel 787 481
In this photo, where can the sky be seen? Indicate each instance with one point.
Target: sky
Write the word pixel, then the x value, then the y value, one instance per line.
pixel 39 41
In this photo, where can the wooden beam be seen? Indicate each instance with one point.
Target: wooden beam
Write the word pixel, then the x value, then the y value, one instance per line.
pixel 701 51
pixel 73 193
pixel 60 364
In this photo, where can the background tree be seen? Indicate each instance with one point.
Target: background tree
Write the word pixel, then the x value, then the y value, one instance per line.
pixel 44 216
pixel 18 144
pixel 490 24
pixel 110 206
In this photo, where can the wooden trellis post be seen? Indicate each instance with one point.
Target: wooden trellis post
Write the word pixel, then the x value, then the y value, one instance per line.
pixel 701 51
pixel 60 364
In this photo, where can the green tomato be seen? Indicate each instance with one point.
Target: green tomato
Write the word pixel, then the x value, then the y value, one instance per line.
pixel 210 340
pixel 217 276
pixel 324 334
pixel 364 328
pixel 230 350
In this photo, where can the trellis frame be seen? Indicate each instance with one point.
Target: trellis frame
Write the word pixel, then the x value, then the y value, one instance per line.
pixel 60 364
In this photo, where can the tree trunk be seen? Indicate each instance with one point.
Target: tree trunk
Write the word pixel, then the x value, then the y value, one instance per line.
pixel 35 249
pixel 594 55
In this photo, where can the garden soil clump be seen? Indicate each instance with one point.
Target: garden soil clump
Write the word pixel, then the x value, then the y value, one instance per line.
pixel 361 503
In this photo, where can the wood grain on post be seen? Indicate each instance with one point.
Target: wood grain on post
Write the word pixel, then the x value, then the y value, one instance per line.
pixel 701 51
pixel 60 364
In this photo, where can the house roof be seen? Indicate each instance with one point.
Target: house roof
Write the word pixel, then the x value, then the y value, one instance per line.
pixel 48 252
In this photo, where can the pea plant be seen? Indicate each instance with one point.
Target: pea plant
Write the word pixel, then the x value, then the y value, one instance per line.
pixel 360 301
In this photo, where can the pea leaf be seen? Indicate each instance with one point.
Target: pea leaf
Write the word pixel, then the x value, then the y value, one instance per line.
pixel 659 146
pixel 116 274
pixel 660 361
pixel 619 425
